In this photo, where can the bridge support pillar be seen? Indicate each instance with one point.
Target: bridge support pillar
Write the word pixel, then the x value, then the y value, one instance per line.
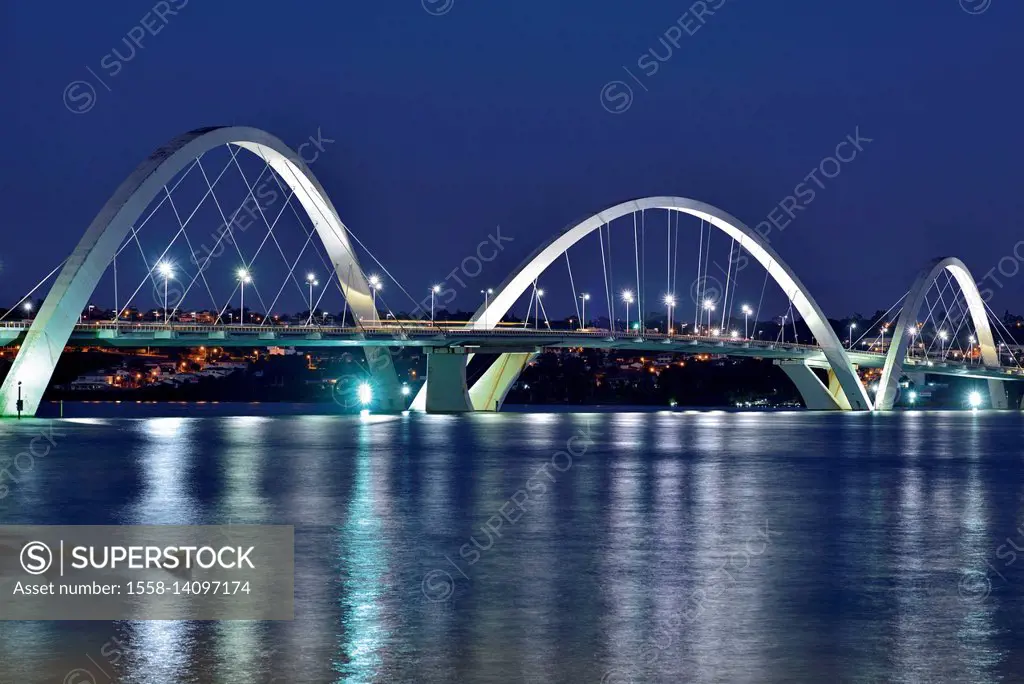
pixel 388 391
pixel 997 395
pixel 489 392
pixel 446 381
pixel 816 396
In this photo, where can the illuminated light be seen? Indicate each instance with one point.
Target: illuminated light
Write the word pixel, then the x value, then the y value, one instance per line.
pixel 244 275
pixel 405 390
pixel 365 393
pixel 734 334
pixel 627 296
pixel 974 399
pixel 28 306
pixel 912 397
pixel 165 269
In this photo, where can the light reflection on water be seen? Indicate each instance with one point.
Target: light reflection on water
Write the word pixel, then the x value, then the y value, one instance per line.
pixel 644 559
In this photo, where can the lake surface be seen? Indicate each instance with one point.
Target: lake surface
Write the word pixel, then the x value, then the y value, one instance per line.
pixel 558 547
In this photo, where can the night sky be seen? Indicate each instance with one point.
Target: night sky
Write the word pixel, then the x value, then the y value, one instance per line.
pixel 491 114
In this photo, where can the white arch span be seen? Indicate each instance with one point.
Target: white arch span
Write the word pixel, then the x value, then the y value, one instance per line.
pixel 893 369
pixel 76 282
pixel 522 279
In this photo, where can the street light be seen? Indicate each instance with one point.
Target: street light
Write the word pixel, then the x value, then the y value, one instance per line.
pixel 709 306
pixel 312 282
pixel 670 301
pixel 487 295
pixel 746 313
pixel 583 319
pixel 375 285
pixel 913 333
pixel 627 297
pixel 536 309
pixel 28 308
pixel 433 291
pixel 167 271
pixel 849 342
pixel 970 348
pixel 942 343
pixel 243 279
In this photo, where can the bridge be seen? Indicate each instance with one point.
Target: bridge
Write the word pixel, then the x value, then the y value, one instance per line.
pixel 114 233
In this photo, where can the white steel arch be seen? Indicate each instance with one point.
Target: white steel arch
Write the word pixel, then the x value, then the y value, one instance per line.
pixel 54 323
pixel 893 369
pixel 522 279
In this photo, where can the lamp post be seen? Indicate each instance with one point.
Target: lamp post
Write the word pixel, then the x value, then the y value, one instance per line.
pixel 243 279
pixel 583 318
pixel 784 327
pixel 746 314
pixel 28 308
pixel 536 309
pixel 375 285
pixel 167 271
pixel 913 334
pixel 312 282
pixel 970 348
pixel 627 297
pixel 709 306
pixel 487 302
pixel 849 342
pixel 942 343
pixel 433 291
pixel 670 301
pixel 885 329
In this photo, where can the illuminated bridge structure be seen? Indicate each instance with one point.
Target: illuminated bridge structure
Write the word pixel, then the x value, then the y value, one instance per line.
pixel 58 322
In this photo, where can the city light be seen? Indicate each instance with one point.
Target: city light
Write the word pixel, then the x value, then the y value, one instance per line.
pixel 436 289
pixel 405 390
pixel 243 275
pixel 974 399
pixel 734 334
pixel 912 397
pixel 165 269
pixel 627 298
pixel 365 394
pixel 375 282
pixel 28 306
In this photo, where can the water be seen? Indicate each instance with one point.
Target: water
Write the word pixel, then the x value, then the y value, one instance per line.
pixel 673 547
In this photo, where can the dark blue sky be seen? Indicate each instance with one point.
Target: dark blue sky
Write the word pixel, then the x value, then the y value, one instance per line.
pixel 447 126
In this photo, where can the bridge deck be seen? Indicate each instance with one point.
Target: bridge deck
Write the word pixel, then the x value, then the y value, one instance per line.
pixel 498 340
